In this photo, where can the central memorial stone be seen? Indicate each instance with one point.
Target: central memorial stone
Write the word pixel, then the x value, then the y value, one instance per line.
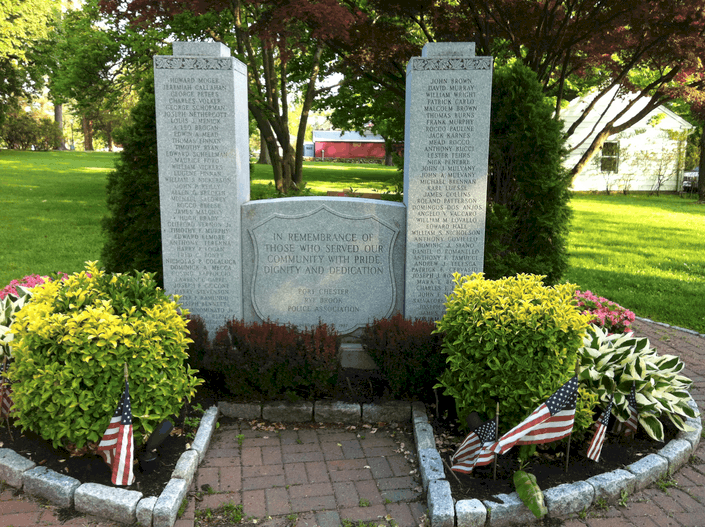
pixel 341 261
pixel 315 259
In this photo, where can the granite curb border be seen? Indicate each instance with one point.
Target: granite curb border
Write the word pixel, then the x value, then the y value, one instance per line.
pixel 663 324
pixel 112 503
pixel 562 500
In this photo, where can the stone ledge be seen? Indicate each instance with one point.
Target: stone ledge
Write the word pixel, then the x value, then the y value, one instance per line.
pixel 13 466
pixel 14 469
pixel 440 504
pixel 285 412
pixel 337 412
pixel 45 483
pixel 389 412
pixel 119 505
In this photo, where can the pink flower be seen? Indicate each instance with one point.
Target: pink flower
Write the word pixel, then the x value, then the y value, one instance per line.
pixel 29 281
pixel 605 313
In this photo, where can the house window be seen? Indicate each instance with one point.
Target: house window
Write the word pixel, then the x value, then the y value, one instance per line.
pixel 610 157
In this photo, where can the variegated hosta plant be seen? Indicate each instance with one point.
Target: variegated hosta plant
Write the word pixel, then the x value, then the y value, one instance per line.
pixel 9 306
pixel 611 364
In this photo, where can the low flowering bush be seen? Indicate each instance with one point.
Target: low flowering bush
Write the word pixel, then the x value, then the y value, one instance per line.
pixel 512 341
pixel 27 282
pixel 71 343
pixel 605 313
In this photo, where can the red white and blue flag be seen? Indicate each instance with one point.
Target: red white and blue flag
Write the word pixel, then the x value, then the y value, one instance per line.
pixel 116 447
pixel 5 393
pixel 472 452
pixel 629 426
pixel 598 439
pixel 551 421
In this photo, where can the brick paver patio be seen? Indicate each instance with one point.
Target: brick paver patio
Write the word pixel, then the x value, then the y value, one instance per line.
pixel 307 476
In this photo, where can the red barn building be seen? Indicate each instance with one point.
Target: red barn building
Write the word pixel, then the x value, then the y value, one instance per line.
pixel 347 145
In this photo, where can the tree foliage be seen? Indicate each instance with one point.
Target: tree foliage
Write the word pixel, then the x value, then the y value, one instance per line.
pixel 282 43
pixel 651 48
pixel 25 28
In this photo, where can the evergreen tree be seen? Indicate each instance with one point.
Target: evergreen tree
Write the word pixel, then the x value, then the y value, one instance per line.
pixel 528 187
pixel 132 226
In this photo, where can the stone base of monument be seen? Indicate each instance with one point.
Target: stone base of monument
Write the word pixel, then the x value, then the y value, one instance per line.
pixel 352 355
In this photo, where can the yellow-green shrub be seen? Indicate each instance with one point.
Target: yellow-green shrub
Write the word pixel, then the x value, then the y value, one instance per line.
pixel 72 341
pixel 512 341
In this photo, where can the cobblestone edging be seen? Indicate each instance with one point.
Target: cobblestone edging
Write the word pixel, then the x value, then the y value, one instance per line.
pixel 663 324
pixel 112 503
pixel 569 498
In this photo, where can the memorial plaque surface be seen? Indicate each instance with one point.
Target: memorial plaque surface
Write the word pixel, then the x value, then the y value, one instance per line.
pixel 445 187
pixel 334 260
pixel 202 130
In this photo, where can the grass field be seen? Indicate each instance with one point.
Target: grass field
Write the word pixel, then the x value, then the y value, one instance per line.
pixel 322 177
pixel 643 252
pixel 51 204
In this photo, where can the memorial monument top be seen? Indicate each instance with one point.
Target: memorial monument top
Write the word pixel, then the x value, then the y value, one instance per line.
pixel 318 259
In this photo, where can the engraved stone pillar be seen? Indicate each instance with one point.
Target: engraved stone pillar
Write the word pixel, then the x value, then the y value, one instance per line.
pixel 203 151
pixel 446 146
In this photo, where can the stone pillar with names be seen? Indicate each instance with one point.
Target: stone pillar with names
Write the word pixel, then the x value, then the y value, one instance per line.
pixel 446 147
pixel 203 152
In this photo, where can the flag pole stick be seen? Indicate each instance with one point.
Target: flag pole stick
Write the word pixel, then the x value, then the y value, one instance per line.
pixel 496 427
pixel 567 448
pixel 125 372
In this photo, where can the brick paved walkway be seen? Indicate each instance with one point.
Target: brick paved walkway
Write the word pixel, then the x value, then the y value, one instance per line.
pixel 322 476
pixel 310 476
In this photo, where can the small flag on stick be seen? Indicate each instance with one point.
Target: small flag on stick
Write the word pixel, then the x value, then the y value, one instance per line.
pixel 551 421
pixel 595 448
pixel 116 447
pixel 5 391
pixel 630 426
pixel 471 452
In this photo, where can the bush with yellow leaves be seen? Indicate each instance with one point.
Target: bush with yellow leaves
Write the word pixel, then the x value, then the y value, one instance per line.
pixel 514 341
pixel 71 343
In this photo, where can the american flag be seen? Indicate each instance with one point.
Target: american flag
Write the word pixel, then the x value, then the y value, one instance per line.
pixel 471 453
pixel 630 425
pixel 116 447
pixel 5 393
pixel 595 448
pixel 551 421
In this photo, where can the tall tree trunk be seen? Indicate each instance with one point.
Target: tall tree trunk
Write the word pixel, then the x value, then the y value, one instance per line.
pixel 263 153
pixel 303 120
pixel 59 119
pixel 701 169
pixel 388 147
pixel 87 124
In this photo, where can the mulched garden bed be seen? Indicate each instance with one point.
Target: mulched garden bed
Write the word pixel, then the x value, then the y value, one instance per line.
pixel 360 386
pixel 548 465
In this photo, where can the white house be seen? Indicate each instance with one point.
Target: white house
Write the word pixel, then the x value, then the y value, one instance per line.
pixel 648 156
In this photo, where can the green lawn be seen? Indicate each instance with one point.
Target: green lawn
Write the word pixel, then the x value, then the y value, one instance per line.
pixel 51 204
pixel 644 252
pixel 323 177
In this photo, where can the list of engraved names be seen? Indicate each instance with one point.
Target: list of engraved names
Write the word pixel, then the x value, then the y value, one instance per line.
pixel 197 184
pixel 447 212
